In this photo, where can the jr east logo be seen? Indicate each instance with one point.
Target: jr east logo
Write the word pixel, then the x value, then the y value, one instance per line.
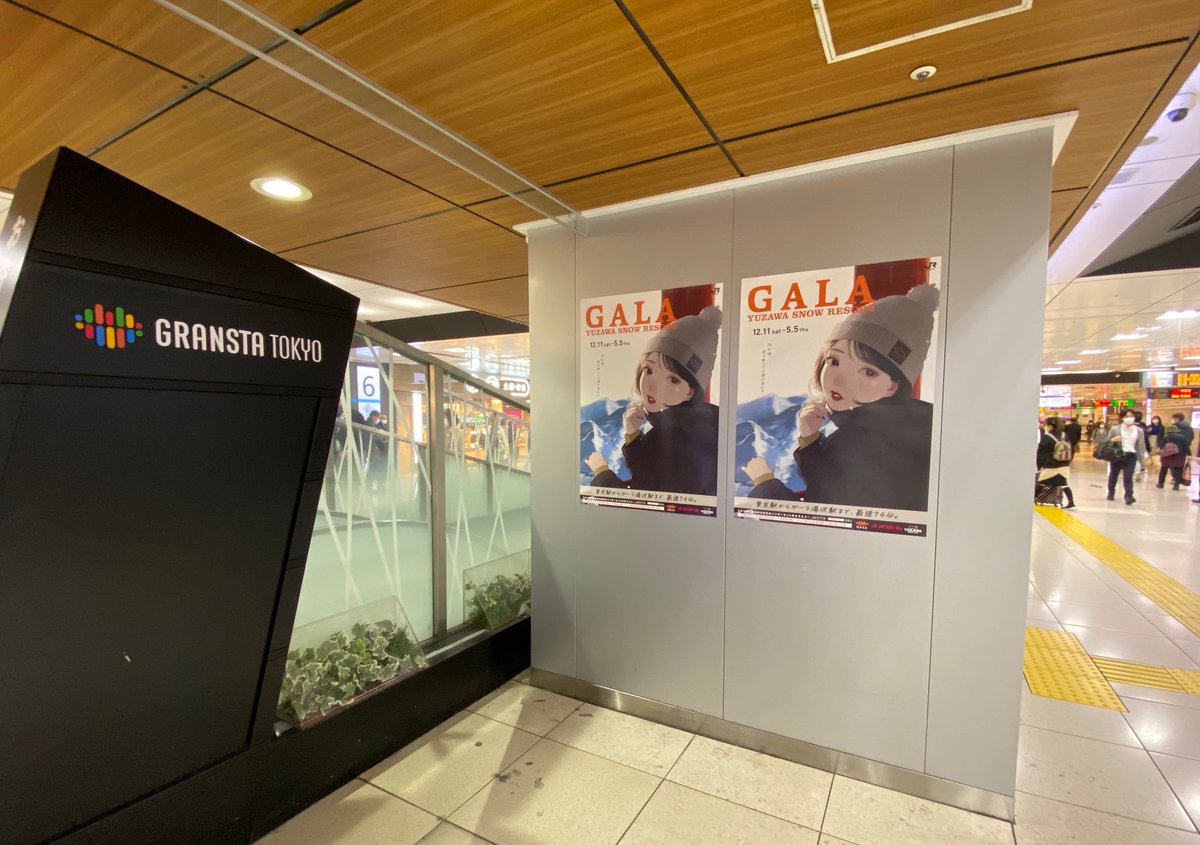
pixel 108 328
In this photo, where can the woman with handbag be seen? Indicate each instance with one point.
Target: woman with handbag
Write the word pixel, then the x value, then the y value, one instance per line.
pixel 1130 439
pixel 1173 456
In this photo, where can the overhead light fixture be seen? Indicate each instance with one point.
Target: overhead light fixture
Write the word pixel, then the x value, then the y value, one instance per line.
pixel 1129 336
pixel 1069 362
pixel 1092 351
pixel 1191 357
pixel 1052 369
pixel 1148 140
pixel 1189 314
pixel 281 189
pixel 922 73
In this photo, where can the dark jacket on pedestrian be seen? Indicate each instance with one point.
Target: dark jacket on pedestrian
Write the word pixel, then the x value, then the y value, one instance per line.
pixel 677 455
pixel 1174 435
pixel 1073 432
pixel 1045 453
pixel 878 457
pixel 1185 429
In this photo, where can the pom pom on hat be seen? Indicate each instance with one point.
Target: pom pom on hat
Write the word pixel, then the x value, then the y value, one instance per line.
pixel 897 327
pixel 692 341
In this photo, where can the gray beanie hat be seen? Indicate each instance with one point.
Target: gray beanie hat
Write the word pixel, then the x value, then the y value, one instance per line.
pixel 692 341
pixel 897 327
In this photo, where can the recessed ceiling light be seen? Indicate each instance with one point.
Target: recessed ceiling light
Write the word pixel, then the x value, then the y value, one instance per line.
pixel 1069 362
pixel 1148 140
pixel 1092 351
pixel 1129 336
pixel 1052 369
pixel 281 189
pixel 1189 314
pixel 922 73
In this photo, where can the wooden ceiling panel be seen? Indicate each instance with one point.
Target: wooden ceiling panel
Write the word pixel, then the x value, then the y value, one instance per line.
pixel 661 176
pixel 85 96
pixel 204 153
pixel 1062 204
pixel 1110 92
pixel 158 35
pixel 554 90
pixel 502 297
pixel 858 24
pixel 758 65
pixel 454 248
pixel 273 92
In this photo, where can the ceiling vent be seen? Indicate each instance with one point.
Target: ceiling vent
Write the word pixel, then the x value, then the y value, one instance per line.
pixel 1191 219
pixel 1123 175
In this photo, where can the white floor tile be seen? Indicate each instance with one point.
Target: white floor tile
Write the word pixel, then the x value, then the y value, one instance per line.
pixel 555 794
pixel 677 815
pixel 1172 627
pixel 1184 777
pixel 1097 775
pixel 448 765
pixel 1041 821
pixel 1076 719
pixel 1037 609
pixel 773 786
pixel 356 814
pixel 870 815
pixel 448 834
pixel 1189 647
pixel 622 738
pixel 1128 621
pixel 1039 623
pixel 1099 596
pixel 526 707
pixel 1166 728
pixel 1128 691
pixel 1155 650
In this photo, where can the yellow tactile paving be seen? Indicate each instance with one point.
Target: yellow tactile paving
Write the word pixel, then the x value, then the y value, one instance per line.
pixel 1056 666
pixel 1189 680
pixel 1139 674
pixel 1163 590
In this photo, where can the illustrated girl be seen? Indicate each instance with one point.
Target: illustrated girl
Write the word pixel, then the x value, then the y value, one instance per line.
pixel 863 439
pixel 679 452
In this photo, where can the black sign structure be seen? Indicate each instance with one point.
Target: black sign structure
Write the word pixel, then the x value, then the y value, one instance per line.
pixel 167 396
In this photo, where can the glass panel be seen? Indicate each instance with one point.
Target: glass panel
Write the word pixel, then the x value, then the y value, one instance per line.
pixel 487 485
pixel 372 537
pixel 497 592
pixel 343 658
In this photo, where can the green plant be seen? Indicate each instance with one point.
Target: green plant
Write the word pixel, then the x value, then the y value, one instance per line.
pixel 495 602
pixel 335 671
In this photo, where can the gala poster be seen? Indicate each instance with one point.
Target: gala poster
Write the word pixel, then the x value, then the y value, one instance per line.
pixel 649 371
pixel 835 396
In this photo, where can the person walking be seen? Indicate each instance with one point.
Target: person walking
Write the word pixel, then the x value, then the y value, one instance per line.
pixel 1132 441
pixel 1054 455
pixel 1173 456
pixel 1074 433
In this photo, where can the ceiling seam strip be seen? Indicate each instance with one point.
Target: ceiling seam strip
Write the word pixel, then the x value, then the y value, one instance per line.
pixel 96 38
pixel 197 86
pixel 662 63
pixel 480 282
pixel 761 132
pixel 404 222
pixel 335 64
pixel 373 166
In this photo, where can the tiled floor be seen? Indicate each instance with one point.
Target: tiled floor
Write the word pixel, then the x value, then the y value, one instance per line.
pixel 526 766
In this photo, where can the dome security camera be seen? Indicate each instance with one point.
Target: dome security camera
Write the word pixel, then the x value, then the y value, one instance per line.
pixel 1181 104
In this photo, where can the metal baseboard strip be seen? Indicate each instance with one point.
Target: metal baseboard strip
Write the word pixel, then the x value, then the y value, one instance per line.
pixel 918 784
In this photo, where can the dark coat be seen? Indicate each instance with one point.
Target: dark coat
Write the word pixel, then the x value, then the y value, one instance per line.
pixel 1185 428
pixel 1045 453
pixel 677 455
pixel 1176 436
pixel 878 457
pixel 1074 432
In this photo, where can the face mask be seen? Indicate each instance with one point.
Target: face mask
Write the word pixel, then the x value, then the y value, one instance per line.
pixel 1129 421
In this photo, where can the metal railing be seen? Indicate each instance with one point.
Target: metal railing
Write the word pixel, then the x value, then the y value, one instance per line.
pixel 428 477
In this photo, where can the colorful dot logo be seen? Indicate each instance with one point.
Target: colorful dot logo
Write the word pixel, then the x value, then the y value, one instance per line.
pixel 108 328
